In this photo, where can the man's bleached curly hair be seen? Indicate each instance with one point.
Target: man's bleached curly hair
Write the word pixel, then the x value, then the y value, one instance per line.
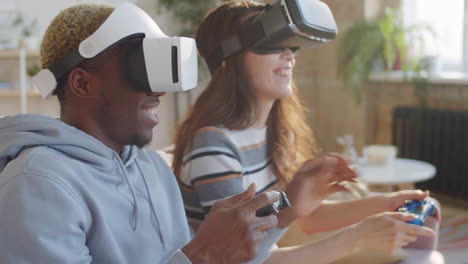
pixel 69 28
pixel 65 33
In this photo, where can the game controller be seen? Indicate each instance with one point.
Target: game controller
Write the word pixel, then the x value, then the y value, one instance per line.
pixel 275 207
pixel 421 208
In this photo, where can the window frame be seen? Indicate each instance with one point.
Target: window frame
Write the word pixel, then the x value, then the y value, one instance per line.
pixel 409 5
pixel 463 67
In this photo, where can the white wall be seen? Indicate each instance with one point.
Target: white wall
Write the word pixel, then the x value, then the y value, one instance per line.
pixel 46 10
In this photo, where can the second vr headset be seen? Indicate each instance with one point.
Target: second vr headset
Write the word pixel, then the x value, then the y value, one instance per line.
pixel 151 62
pixel 294 24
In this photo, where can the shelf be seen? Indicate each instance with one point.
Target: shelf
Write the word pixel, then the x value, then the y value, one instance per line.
pixel 13 54
pixel 11 93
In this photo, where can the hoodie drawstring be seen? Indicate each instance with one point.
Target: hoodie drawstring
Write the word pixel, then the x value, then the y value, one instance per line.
pixel 132 190
pixel 135 206
pixel 153 210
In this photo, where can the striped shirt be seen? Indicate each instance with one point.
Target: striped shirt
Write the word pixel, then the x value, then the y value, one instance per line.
pixel 223 163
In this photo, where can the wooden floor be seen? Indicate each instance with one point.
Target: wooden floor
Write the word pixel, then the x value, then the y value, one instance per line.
pixel 453 208
pixel 450 206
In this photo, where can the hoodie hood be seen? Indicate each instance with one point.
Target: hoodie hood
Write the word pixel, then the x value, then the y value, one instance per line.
pixel 21 132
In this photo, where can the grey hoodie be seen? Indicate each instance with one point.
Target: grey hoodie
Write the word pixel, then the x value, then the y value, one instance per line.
pixel 65 197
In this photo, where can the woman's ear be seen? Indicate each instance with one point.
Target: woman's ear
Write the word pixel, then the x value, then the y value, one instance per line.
pixel 79 82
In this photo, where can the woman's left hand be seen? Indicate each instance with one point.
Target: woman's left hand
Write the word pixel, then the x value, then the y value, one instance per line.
pixel 314 181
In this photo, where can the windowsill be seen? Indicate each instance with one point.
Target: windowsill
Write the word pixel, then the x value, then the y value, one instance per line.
pixel 451 78
pixel 14 53
pixel 15 92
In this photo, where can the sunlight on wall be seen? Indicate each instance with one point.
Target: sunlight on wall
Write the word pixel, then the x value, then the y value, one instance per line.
pixel 446 18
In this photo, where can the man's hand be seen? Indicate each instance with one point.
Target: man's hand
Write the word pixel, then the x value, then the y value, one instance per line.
pixel 315 180
pixel 231 232
pixel 386 232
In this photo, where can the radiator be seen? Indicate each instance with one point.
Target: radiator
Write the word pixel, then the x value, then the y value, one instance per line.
pixel 439 137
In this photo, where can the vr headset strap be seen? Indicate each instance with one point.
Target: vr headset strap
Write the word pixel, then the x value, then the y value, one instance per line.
pixel 73 58
pixel 66 64
pixel 236 43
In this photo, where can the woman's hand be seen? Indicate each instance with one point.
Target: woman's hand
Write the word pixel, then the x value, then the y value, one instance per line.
pixel 387 232
pixel 314 181
pixel 395 200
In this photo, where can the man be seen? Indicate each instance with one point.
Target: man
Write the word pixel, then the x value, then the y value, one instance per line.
pixel 83 189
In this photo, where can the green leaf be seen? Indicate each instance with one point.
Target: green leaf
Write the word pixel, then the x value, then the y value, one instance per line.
pixel 189 12
pixel 369 41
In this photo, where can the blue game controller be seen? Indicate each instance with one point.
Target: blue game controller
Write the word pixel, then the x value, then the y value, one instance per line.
pixel 421 208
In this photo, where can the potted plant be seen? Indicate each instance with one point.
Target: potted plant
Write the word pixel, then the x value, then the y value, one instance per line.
pixel 27 39
pixel 189 12
pixel 33 69
pixel 379 44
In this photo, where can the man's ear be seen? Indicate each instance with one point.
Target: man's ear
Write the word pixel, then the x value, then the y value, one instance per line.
pixel 80 83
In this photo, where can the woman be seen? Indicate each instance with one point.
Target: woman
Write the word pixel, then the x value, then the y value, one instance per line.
pixel 248 126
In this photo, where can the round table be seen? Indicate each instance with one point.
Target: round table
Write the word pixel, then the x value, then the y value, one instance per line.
pixel 403 173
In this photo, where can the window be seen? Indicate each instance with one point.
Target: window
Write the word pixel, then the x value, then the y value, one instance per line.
pixel 447 19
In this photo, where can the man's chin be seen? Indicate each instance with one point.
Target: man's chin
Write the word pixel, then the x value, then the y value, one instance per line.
pixel 141 142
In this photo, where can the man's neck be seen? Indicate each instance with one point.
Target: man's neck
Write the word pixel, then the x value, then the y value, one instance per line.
pixel 89 127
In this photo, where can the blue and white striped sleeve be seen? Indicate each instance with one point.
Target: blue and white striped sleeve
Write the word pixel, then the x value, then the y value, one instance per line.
pixel 212 168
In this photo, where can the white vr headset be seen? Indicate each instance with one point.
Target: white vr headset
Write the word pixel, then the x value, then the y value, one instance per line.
pixel 153 62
